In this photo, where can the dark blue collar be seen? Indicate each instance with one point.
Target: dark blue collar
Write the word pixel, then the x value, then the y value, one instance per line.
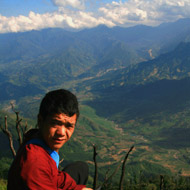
pixel 52 153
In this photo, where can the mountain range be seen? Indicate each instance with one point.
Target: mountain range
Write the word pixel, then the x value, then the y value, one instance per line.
pixel 132 84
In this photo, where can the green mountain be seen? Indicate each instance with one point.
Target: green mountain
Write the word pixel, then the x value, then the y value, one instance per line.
pixel 150 102
pixel 145 88
pixel 132 85
pixel 172 65
pixel 51 56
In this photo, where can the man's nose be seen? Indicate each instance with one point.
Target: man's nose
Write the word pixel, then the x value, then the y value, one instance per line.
pixel 61 131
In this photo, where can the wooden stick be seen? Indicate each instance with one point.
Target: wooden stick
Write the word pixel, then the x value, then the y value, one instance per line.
pixel 161 182
pixel 18 124
pixel 8 133
pixel 96 168
pixel 123 169
pixel 111 176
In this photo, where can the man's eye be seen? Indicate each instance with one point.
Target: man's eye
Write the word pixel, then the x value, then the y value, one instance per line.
pixel 69 126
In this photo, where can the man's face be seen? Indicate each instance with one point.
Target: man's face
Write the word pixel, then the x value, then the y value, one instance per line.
pixel 56 130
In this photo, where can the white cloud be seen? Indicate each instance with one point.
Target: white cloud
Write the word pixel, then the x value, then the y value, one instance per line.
pixel 145 11
pixel 64 19
pixel 78 4
pixel 74 14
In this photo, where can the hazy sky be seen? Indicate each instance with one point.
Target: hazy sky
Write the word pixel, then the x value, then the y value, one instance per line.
pixel 23 15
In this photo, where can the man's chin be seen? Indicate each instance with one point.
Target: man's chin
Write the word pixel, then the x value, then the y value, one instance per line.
pixel 57 146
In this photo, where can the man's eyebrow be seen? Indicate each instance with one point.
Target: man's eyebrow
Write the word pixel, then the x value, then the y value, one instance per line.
pixel 64 123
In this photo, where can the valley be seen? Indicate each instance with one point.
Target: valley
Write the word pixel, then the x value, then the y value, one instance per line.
pixel 132 85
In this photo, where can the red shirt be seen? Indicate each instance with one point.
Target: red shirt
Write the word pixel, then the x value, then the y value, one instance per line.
pixel 34 169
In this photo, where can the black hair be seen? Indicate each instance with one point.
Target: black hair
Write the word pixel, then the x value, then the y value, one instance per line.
pixel 57 102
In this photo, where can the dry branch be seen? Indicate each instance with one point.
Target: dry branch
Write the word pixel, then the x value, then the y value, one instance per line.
pixel 10 137
pixel 20 131
pixel 161 182
pixel 107 179
pixel 96 168
pixel 24 129
pixel 18 124
pixel 123 169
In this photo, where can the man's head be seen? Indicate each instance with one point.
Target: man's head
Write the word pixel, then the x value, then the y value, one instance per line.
pixel 59 101
pixel 57 117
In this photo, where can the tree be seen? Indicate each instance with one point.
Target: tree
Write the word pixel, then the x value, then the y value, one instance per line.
pixel 21 130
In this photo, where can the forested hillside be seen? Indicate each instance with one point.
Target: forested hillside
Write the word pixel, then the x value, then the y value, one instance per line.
pixel 132 85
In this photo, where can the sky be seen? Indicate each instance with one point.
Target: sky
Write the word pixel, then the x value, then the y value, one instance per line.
pixel 26 15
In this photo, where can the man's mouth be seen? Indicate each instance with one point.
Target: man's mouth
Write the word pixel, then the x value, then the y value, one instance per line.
pixel 58 140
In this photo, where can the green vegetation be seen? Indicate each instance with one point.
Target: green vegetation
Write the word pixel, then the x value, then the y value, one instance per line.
pixel 3 184
pixel 4 167
pixel 149 157
pixel 126 97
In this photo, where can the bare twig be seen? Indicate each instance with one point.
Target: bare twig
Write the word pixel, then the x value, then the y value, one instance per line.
pixel 25 128
pixel 19 129
pixel 8 133
pixel 106 179
pixel 123 169
pixel 161 182
pixel 18 124
pixel 61 160
pixel 116 170
pixel 96 168
pixel 60 167
pixel 111 176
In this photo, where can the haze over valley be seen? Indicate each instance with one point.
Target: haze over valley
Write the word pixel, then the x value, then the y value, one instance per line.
pixel 132 84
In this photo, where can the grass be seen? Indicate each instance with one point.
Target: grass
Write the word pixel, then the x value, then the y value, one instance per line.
pixel 3 184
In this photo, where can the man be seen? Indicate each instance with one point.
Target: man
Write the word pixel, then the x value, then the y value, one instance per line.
pixel 36 164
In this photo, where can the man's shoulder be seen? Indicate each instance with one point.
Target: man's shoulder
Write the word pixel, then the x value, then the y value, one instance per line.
pixel 35 163
pixel 34 154
pixel 35 151
pixel 31 159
